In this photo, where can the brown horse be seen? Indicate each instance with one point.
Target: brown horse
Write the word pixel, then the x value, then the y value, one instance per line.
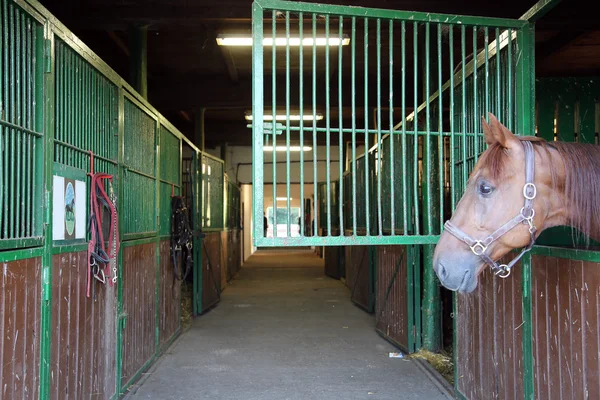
pixel 519 187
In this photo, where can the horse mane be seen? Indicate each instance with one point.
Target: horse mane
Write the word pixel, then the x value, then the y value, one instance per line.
pixel 582 190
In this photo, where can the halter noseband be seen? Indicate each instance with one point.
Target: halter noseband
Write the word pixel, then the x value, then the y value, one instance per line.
pixel 478 247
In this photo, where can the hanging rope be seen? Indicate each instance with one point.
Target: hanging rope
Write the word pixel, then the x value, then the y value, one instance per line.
pixel 102 265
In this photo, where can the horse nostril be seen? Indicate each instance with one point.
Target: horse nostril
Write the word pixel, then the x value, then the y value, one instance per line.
pixel 443 274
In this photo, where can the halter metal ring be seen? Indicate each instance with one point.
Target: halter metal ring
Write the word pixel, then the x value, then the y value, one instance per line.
pixel 530 217
pixel 503 271
pixel 478 245
pixel 529 185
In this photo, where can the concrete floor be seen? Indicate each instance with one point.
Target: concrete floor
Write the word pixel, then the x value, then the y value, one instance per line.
pixel 283 330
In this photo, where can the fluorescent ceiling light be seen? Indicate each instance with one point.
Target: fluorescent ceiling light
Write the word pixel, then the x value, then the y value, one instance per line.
pixel 281 41
pixel 284 148
pixel 282 117
pixel 283 198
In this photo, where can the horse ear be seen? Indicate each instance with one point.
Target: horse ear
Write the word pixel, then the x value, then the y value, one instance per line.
pixel 501 133
pixel 487 132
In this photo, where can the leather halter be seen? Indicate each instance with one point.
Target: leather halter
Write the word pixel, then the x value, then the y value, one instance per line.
pixel 478 247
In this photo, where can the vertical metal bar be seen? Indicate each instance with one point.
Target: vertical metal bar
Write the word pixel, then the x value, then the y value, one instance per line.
pixel 392 160
pixel 475 99
pixel 17 199
pixel 28 177
pixel 340 133
pixel 353 42
pixel 327 124
pixel 441 155
pixel 509 90
pixel 314 111
pixel 486 43
pixel 258 165
pixel 273 114
pixel 287 117
pixel 404 170
pixel 5 131
pixel 301 104
pixel 415 125
pixel 498 101
pixel 427 158
pixel 464 106
pixel 379 150
pixel 453 187
pixel 366 96
pixel 13 119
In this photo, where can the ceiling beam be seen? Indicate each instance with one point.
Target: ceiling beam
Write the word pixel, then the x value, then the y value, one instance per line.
pixel 555 44
pixel 230 64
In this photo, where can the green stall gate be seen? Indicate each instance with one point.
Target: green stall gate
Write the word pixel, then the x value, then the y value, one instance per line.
pixel 59 105
pixel 416 85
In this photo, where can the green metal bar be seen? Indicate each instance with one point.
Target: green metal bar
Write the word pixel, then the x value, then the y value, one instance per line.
pixel 391 122
pixel 464 105
pixel 440 139
pixel 4 96
pixel 475 100
pixel 346 241
pixel 287 116
pixel 327 126
pixel 10 232
pixel 366 106
pixel 387 14
pixel 403 112
pixel 415 123
pixel 486 42
pixel 353 72
pixel 60 143
pixel 314 125
pixel 453 187
pixel 273 114
pixel 46 168
pixel 301 103
pixel 31 77
pixel 379 150
pixel 340 131
pixel 509 90
pixel 139 59
pixel 498 93
pixel 427 158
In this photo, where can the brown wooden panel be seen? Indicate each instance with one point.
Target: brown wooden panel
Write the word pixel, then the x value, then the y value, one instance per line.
pixel 566 305
pixel 211 270
pixel 169 296
pixel 357 275
pixel 20 327
pixel 489 338
pixel 391 304
pixel 224 260
pixel 139 304
pixel 233 253
pixel 83 358
pixel 333 258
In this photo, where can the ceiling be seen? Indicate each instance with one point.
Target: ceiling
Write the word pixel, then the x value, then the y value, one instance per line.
pixel 187 70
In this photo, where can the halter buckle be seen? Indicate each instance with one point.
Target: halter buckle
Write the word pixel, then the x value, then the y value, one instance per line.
pixel 503 271
pixel 476 246
pixel 529 185
pixel 530 217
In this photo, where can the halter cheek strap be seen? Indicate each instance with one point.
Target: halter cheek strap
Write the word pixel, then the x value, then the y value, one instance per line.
pixel 525 216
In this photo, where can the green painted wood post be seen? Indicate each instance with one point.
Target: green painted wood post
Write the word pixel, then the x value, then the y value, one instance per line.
pixel 46 46
pixel 138 42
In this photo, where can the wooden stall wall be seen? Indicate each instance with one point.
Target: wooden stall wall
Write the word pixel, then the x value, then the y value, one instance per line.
pixel 234 254
pixel 139 306
pixel 83 356
pixel 169 296
pixel 20 327
pixel 359 276
pixel 211 270
pixel 566 330
pixel 224 258
pixel 489 338
pixel 392 304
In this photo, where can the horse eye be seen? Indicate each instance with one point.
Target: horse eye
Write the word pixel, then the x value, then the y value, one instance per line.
pixel 485 189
